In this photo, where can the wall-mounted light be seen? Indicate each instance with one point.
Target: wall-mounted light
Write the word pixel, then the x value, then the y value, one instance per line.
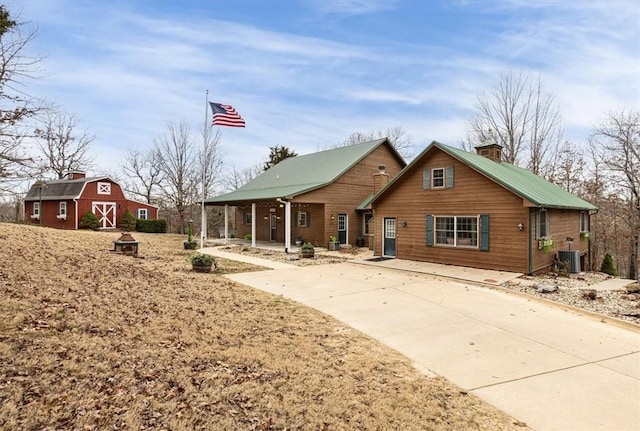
pixel 332 217
pixel 266 217
pixel 520 227
pixel 404 223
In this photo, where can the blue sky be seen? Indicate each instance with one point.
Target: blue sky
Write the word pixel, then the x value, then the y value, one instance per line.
pixel 306 74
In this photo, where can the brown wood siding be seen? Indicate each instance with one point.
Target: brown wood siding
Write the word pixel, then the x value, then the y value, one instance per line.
pixel 473 194
pixel 563 224
pixel 345 194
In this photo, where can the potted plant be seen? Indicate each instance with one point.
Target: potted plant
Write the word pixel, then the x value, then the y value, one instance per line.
pixel 546 244
pixel 585 235
pixel 201 262
pixel 334 244
pixel 307 250
pixel 190 244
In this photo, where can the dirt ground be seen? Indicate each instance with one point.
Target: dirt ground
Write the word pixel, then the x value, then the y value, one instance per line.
pixel 90 339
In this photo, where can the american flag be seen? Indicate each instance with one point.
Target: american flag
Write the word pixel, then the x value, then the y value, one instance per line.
pixel 225 115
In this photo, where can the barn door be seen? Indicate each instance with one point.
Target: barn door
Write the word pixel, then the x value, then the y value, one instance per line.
pixel 106 213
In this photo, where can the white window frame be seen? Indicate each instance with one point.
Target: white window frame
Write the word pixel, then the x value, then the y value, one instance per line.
pixel 455 240
pixel 142 211
pixel 303 218
pixel 433 178
pixel 62 209
pixel 104 188
pixel 36 209
pixel 546 232
pixel 584 221
pixel 247 218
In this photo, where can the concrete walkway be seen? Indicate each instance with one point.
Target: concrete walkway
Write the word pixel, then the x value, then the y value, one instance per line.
pixel 553 369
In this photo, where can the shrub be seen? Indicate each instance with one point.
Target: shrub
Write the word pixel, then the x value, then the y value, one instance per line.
pixel 247 237
pixel 202 259
pixel 128 221
pixel 89 221
pixel 151 226
pixel 607 266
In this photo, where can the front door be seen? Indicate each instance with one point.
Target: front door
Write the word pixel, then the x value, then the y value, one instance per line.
pixel 389 237
pixel 106 213
pixel 342 228
pixel 273 234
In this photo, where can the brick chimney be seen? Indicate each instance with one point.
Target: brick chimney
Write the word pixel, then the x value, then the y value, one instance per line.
pixel 491 150
pixel 380 179
pixel 75 175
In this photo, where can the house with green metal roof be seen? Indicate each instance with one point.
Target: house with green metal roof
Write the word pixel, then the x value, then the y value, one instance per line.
pixel 312 197
pixel 454 207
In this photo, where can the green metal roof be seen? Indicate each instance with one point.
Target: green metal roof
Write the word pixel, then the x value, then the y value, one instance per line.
pixel 520 181
pixel 301 174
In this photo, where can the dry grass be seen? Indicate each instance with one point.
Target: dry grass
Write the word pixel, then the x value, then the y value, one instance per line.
pixel 94 340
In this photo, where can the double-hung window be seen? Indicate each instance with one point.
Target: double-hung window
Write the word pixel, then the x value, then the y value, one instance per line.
pixel 143 214
pixel 303 219
pixel 584 221
pixel 542 222
pixel 62 209
pixel 247 218
pixel 437 178
pixel 36 209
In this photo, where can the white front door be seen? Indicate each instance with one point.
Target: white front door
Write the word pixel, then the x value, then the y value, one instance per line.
pixel 106 213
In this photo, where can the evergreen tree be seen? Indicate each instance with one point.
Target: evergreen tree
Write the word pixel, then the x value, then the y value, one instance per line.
pixel 607 266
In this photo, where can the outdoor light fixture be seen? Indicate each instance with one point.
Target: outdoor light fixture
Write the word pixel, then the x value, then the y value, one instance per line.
pixel 521 226
pixel 266 217
pixel 332 217
pixel 404 223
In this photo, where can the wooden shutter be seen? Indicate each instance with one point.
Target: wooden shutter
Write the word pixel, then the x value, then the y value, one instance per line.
pixel 308 219
pixel 449 177
pixel 429 223
pixel 484 232
pixel 426 179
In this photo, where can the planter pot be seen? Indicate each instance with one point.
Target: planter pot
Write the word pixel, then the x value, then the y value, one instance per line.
pixel 306 254
pixel 190 245
pixel 201 267
pixel 334 246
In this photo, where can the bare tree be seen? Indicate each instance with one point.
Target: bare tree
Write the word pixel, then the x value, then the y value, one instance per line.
pixel 567 168
pixel 236 178
pixel 143 174
pixel 16 106
pixel 619 138
pixel 397 136
pixel 63 147
pixel 521 116
pixel 211 160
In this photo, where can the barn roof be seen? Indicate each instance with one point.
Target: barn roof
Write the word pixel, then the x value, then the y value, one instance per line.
pixel 56 190
pixel 520 181
pixel 301 174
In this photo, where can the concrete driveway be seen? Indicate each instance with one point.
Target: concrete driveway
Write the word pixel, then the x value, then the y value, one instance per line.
pixel 550 368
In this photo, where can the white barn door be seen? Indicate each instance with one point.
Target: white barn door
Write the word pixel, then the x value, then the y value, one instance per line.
pixel 106 213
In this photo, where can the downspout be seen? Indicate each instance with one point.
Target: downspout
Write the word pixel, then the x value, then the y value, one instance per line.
pixel 530 242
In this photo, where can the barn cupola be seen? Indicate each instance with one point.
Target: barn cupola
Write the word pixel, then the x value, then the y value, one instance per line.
pixel 75 175
pixel 491 150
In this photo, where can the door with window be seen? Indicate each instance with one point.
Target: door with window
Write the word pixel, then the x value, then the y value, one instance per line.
pixel 106 213
pixel 273 228
pixel 343 224
pixel 389 237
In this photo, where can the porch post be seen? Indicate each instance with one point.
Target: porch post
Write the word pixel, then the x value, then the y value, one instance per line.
pixel 226 223
pixel 287 226
pixel 253 224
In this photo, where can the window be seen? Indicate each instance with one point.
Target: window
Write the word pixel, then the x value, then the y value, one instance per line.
pixel 247 218
pixel 36 209
pixel 437 178
pixel 368 218
pixel 143 214
pixel 62 209
pixel 457 231
pixel 303 219
pixel 542 221
pixel 104 188
pixel 584 221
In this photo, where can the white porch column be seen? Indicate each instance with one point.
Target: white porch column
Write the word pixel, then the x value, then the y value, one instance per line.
pixel 253 224
pixel 287 226
pixel 226 223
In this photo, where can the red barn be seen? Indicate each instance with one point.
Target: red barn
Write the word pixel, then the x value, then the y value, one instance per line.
pixel 62 203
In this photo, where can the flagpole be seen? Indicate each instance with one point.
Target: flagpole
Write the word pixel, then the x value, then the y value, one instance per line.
pixel 203 214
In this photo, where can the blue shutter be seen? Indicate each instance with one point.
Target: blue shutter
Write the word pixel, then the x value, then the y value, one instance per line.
pixel 449 177
pixel 484 232
pixel 429 230
pixel 426 179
